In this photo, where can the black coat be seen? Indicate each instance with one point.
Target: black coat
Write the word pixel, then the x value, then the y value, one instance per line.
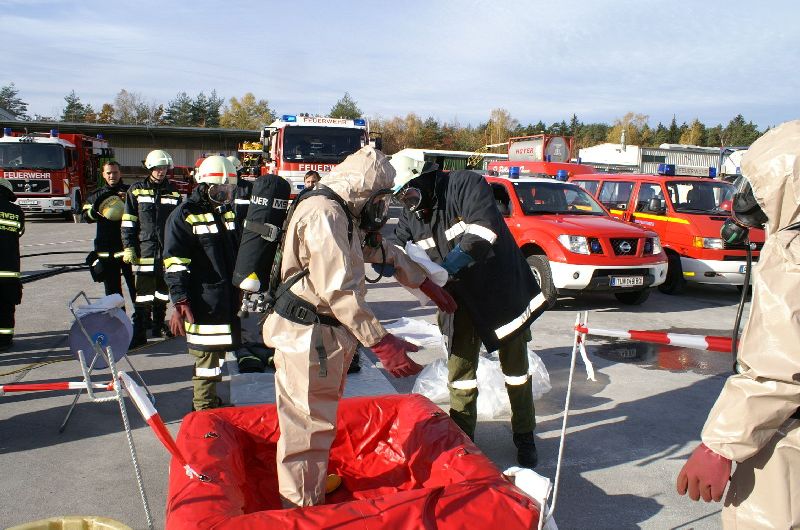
pixel 108 238
pixel 199 256
pixel 498 289
pixel 147 207
pixel 12 226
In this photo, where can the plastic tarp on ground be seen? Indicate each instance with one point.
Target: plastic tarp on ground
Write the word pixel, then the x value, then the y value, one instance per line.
pixel 404 465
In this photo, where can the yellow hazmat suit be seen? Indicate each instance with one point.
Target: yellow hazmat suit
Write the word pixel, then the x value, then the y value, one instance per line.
pixel 751 422
pixel 317 239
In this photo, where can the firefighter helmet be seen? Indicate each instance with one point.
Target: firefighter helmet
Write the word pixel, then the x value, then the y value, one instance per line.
pixel 216 170
pixel 408 167
pixel 112 208
pixel 6 184
pixel 158 158
pixel 237 164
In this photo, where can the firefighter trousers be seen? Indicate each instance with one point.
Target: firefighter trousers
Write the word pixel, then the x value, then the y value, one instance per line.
pixel 462 367
pixel 151 289
pixel 7 311
pixel 113 271
pixel 207 373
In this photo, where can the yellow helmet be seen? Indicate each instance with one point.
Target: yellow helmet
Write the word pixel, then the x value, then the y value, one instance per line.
pixel 112 208
pixel 158 158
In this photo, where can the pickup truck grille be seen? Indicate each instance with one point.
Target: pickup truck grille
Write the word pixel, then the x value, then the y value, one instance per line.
pixel 624 246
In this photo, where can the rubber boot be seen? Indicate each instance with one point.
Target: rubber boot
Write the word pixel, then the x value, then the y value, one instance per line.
pixel 158 328
pixel 141 317
pixel 526 449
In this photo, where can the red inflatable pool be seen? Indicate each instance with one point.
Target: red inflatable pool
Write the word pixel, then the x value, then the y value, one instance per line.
pixel 404 465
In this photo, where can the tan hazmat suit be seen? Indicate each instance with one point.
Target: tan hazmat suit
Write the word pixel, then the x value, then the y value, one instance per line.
pixel 316 238
pixel 751 422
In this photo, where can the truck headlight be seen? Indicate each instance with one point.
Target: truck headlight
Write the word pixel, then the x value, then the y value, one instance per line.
pixel 709 242
pixel 576 244
pixel 652 245
pixel 58 202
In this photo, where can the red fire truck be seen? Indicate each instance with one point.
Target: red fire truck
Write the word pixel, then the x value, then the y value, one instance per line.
pixel 52 173
pixel 295 144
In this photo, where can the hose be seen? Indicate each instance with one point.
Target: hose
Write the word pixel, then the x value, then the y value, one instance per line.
pixel 383 267
pixel 738 321
pixel 54 253
pixel 54 272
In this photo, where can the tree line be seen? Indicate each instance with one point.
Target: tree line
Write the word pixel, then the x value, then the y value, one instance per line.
pixel 251 113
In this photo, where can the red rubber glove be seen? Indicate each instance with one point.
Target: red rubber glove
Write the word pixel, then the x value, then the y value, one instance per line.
pixel 181 312
pixel 440 297
pixel 391 351
pixel 705 474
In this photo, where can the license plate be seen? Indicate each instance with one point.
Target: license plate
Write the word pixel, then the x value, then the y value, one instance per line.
pixel 626 281
pixel 28 202
pixel 742 268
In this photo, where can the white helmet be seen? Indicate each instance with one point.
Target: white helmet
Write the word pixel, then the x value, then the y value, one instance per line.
pixel 216 170
pixel 408 166
pixel 237 164
pixel 158 158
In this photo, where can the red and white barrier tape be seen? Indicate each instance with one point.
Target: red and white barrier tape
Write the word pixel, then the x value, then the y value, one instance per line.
pixel 62 385
pixel 153 419
pixel 697 342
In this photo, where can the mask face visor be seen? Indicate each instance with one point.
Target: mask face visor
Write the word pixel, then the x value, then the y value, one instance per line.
pixel 409 198
pixel 376 211
pixel 221 193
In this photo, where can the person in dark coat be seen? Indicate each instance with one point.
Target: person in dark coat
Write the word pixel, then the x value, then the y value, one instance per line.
pixel 105 207
pixel 454 218
pixel 12 226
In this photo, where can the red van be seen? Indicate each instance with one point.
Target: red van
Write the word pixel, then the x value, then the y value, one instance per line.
pixel 687 214
pixel 572 243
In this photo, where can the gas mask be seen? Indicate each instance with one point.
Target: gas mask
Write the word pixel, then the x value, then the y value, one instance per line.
pixel 417 196
pixel 375 212
pixel 745 214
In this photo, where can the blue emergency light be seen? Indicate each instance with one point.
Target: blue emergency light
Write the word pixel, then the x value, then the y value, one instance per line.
pixel 562 175
pixel 100 136
pixel 289 117
pixel 513 172
pixel 666 169
pixel 712 172
pixel 360 122
pixel 7 131
pixel 53 133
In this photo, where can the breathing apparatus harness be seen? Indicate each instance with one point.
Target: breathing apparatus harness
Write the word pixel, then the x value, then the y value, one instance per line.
pixel 279 297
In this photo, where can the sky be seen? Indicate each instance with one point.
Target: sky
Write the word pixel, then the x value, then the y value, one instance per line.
pixel 451 60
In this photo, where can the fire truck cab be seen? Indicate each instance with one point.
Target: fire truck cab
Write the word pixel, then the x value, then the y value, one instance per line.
pixel 52 173
pixel 296 144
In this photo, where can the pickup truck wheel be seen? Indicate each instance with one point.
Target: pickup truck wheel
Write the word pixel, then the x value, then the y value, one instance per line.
pixel 674 283
pixel 633 297
pixel 544 277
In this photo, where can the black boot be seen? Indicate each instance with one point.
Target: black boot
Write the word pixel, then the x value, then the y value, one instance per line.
pixel 159 327
pixel 526 449
pixel 141 317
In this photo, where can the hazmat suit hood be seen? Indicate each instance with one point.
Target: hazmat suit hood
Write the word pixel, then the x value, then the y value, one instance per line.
pixel 358 176
pixel 772 165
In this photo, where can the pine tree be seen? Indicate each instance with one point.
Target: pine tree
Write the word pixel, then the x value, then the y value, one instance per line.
pixel 74 110
pixel 179 111
pixel 12 103
pixel 346 108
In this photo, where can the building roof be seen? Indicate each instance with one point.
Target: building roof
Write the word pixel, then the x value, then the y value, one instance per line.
pixel 133 130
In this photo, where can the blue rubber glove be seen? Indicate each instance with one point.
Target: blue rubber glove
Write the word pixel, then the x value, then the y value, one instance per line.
pixel 456 260
pixel 383 269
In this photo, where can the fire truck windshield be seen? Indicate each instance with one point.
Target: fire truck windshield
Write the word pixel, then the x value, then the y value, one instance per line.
pixel 700 197
pixel 539 198
pixel 321 144
pixel 31 156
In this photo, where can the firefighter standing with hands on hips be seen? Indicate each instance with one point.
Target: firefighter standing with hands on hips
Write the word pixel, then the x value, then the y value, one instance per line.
pixel 320 315
pixel 199 258
pixel 755 421
pixel 454 218
pixel 105 207
pixel 148 204
pixel 12 226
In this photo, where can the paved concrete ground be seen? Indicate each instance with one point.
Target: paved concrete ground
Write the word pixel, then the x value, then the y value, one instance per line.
pixel 629 432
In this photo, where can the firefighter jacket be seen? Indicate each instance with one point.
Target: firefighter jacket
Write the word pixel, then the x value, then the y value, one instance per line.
pixel 147 207
pixel 244 188
pixel 108 240
pixel 498 289
pixel 199 255
pixel 12 226
pixel 754 421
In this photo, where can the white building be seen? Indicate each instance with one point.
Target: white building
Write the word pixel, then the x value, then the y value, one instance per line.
pixel 621 158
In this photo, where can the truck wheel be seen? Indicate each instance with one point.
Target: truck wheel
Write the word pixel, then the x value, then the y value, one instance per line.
pixel 674 283
pixel 633 297
pixel 544 277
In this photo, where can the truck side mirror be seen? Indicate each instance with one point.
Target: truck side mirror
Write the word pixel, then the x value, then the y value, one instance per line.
pixel 377 143
pixel 654 205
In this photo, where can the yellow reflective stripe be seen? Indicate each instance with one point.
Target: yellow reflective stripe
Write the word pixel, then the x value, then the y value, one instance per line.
pixel 230 215
pixel 129 217
pixel 6 331
pixel 662 218
pixel 207 329
pixel 146 261
pixel 142 191
pixel 200 218
pixel 6 222
pixel 87 206
pixel 10 274
pixel 617 212
pixel 176 261
pixel 172 194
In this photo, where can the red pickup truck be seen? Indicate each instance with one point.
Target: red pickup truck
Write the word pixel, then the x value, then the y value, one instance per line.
pixel 574 245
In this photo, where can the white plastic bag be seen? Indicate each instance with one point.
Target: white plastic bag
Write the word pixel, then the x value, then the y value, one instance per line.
pixel 416 331
pixel 540 378
pixel 435 272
